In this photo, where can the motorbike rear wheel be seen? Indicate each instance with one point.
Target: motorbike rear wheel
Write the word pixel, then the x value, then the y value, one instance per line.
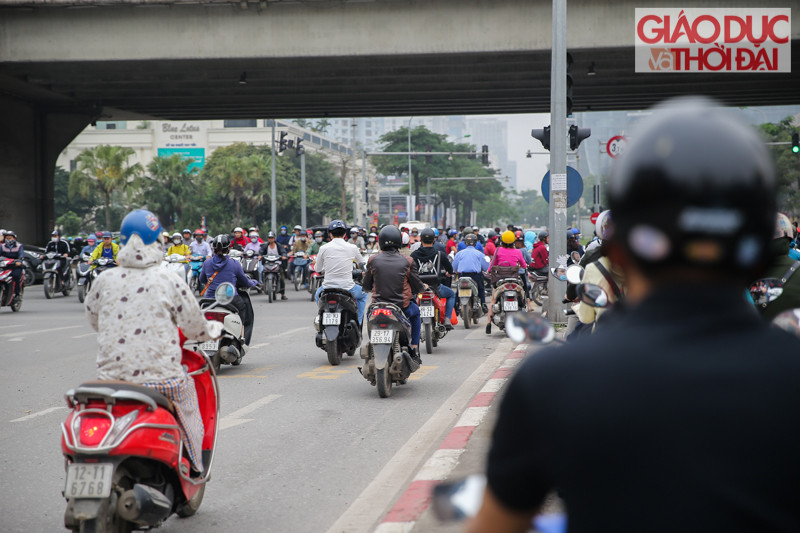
pixel 81 293
pixel 191 506
pixel 465 315
pixel 16 304
pixel 107 520
pixel 539 293
pixel 383 382
pixel 66 286
pixel 428 339
pixel 334 353
pixel 50 287
pixel 30 276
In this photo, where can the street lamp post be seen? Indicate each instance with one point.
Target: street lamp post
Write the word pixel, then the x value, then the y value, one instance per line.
pixel 274 218
pixel 410 180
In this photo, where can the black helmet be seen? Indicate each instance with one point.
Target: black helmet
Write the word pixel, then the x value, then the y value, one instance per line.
pixel 427 236
pixel 492 234
pixel 390 237
pixel 221 243
pixel 470 239
pixel 695 188
pixel 543 235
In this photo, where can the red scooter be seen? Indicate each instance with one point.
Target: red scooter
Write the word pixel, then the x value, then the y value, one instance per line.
pixel 125 459
pixel 7 285
pixel 315 279
pixel 432 314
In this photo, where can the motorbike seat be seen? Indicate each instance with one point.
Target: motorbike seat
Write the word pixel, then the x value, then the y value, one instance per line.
pixel 343 292
pixel 205 303
pixel 117 385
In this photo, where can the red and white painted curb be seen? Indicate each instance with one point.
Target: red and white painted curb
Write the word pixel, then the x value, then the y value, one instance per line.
pixel 415 500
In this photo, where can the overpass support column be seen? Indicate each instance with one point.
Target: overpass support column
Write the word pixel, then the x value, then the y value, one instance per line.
pixel 31 138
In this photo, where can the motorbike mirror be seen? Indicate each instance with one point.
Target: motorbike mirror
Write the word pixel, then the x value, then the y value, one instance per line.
pixel 459 499
pixel 576 256
pixel 788 321
pixel 575 274
pixel 592 295
pixel 225 293
pixel 559 273
pixel 766 290
pixel 531 327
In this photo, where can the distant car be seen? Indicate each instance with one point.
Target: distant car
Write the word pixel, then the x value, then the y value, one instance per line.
pixel 33 263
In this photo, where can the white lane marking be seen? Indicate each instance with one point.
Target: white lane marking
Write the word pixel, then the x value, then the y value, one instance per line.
pixel 38 332
pixel 234 419
pixel 395 527
pixel 295 330
pixel 472 416
pixel 18 339
pixel 439 465
pixel 10 326
pixel 84 335
pixel 376 499
pixel 38 413
pixel 259 345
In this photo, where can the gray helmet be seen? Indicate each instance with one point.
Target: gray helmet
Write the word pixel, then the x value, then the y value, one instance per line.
pixel 470 240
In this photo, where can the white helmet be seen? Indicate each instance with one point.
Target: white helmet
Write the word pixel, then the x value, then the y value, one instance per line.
pixel 253 234
pixel 602 226
pixel 237 228
pixel 298 227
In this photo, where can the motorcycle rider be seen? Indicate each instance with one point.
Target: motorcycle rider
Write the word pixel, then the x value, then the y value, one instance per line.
pixel 540 257
pixel 654 405
pixel 372 243
pixel 519 244
pixel 782 267
pixel 356 239
pixel 507 254
pixel 300 245
pixel 136 310
pixel 179 248
pixel 490 247
pixel 271 247
pixel 452 242
pixel 12 249
pixel 298 230
pixel 61 247
pixel 108 249
pixel 428 254
pixel 199 247
pixel 283 237
pixel 239 240
pixel 470 263
pixel 255 245
pixel 252 230
pixel 394 278
pixel 91 244
pixel 313 249
pixel 187 236
pixel 220 269
pixel 463 244
pixel 335 261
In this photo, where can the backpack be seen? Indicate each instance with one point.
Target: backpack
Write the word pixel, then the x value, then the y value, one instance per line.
pixel 429 270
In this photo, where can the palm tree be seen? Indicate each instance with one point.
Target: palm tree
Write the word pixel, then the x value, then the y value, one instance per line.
pixel 169 186
pixel 103 170
pixel 231 179
pixel 258 187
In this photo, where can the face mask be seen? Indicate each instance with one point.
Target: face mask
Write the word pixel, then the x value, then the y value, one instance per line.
pixel 176 241
pixel 372 239
pixel 199 238
pixel 283 232
pixel 11 243
pixel 318 239
pixel 253 239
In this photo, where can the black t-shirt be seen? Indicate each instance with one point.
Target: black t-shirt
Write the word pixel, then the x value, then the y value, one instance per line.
pixel 683 415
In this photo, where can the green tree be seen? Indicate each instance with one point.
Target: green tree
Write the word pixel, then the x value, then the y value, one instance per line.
pixel 69 222
pixel 787 164
pixel 321 126
pixel 102 171
pixel 62 203
pixel 461 193
pixel 321 191
pixel 169 188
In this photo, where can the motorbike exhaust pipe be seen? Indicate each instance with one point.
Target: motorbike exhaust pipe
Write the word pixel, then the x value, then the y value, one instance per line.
pixel 143 505
pixel 229 353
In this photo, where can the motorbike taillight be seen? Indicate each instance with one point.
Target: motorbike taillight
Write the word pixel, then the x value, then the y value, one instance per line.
pixel 510 287
pixel 379 312
pixel 332 302
pixel 215 315
pixel 93 429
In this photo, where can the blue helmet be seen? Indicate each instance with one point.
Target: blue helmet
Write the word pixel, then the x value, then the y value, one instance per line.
pixel 436 231
pixel 107 234
pixel 284 227
pixel 142 223
pixel 336 224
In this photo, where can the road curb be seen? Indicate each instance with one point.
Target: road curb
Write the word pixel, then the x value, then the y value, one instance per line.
pixel 407 509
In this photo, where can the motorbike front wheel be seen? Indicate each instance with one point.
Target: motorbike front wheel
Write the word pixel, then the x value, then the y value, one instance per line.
pixel 66 287
pixel 466 311
pixel 81 293
pixel 50 286
pixel 30 276
pixel 334 353
pixel 271 288
pixel 383 382
pixel 16 303
pixel 192 284
pixel 428 339
pixel 298 278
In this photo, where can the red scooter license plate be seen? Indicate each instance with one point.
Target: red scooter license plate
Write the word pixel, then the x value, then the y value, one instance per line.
pixel 426 311
pixel 89 480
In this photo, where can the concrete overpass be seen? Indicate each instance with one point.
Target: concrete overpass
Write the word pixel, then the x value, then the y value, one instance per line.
pixel 64 63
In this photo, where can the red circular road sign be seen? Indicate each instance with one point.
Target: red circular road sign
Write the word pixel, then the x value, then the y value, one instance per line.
pixel 593 218
pixel 616 145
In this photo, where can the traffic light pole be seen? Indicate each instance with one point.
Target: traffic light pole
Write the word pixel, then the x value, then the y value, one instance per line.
pixel 303 190
pixel 274 218
pixel 558 158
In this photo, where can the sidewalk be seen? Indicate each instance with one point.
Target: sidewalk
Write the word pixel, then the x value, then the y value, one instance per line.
pixel 461 453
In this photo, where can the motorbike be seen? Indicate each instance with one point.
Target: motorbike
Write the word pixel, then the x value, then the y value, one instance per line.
pixel 54 278
pixel 508 297
pixel 7 285
pixel 230 348
pixel 471 309
pixel 315 278
pixel 432 314
pixel 387 356
pixel 83 273
pixel 271 275
pixel 177 264
pixel 300 274
pixel 538 283
pixel 337 324
pixel 250 266
pixel 195 266
pixel 126 464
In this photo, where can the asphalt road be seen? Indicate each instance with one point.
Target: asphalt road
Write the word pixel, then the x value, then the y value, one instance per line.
pixel 300 440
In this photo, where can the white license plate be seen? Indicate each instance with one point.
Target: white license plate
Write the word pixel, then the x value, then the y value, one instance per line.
pixel 426 311
pixel 209 346
pixel 331 319
pixel 89 480
pixel 510 305
pixel 464 293
pixel 381 336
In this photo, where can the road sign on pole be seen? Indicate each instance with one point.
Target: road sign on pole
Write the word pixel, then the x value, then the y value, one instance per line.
pixel 616 145
pixel 593 218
